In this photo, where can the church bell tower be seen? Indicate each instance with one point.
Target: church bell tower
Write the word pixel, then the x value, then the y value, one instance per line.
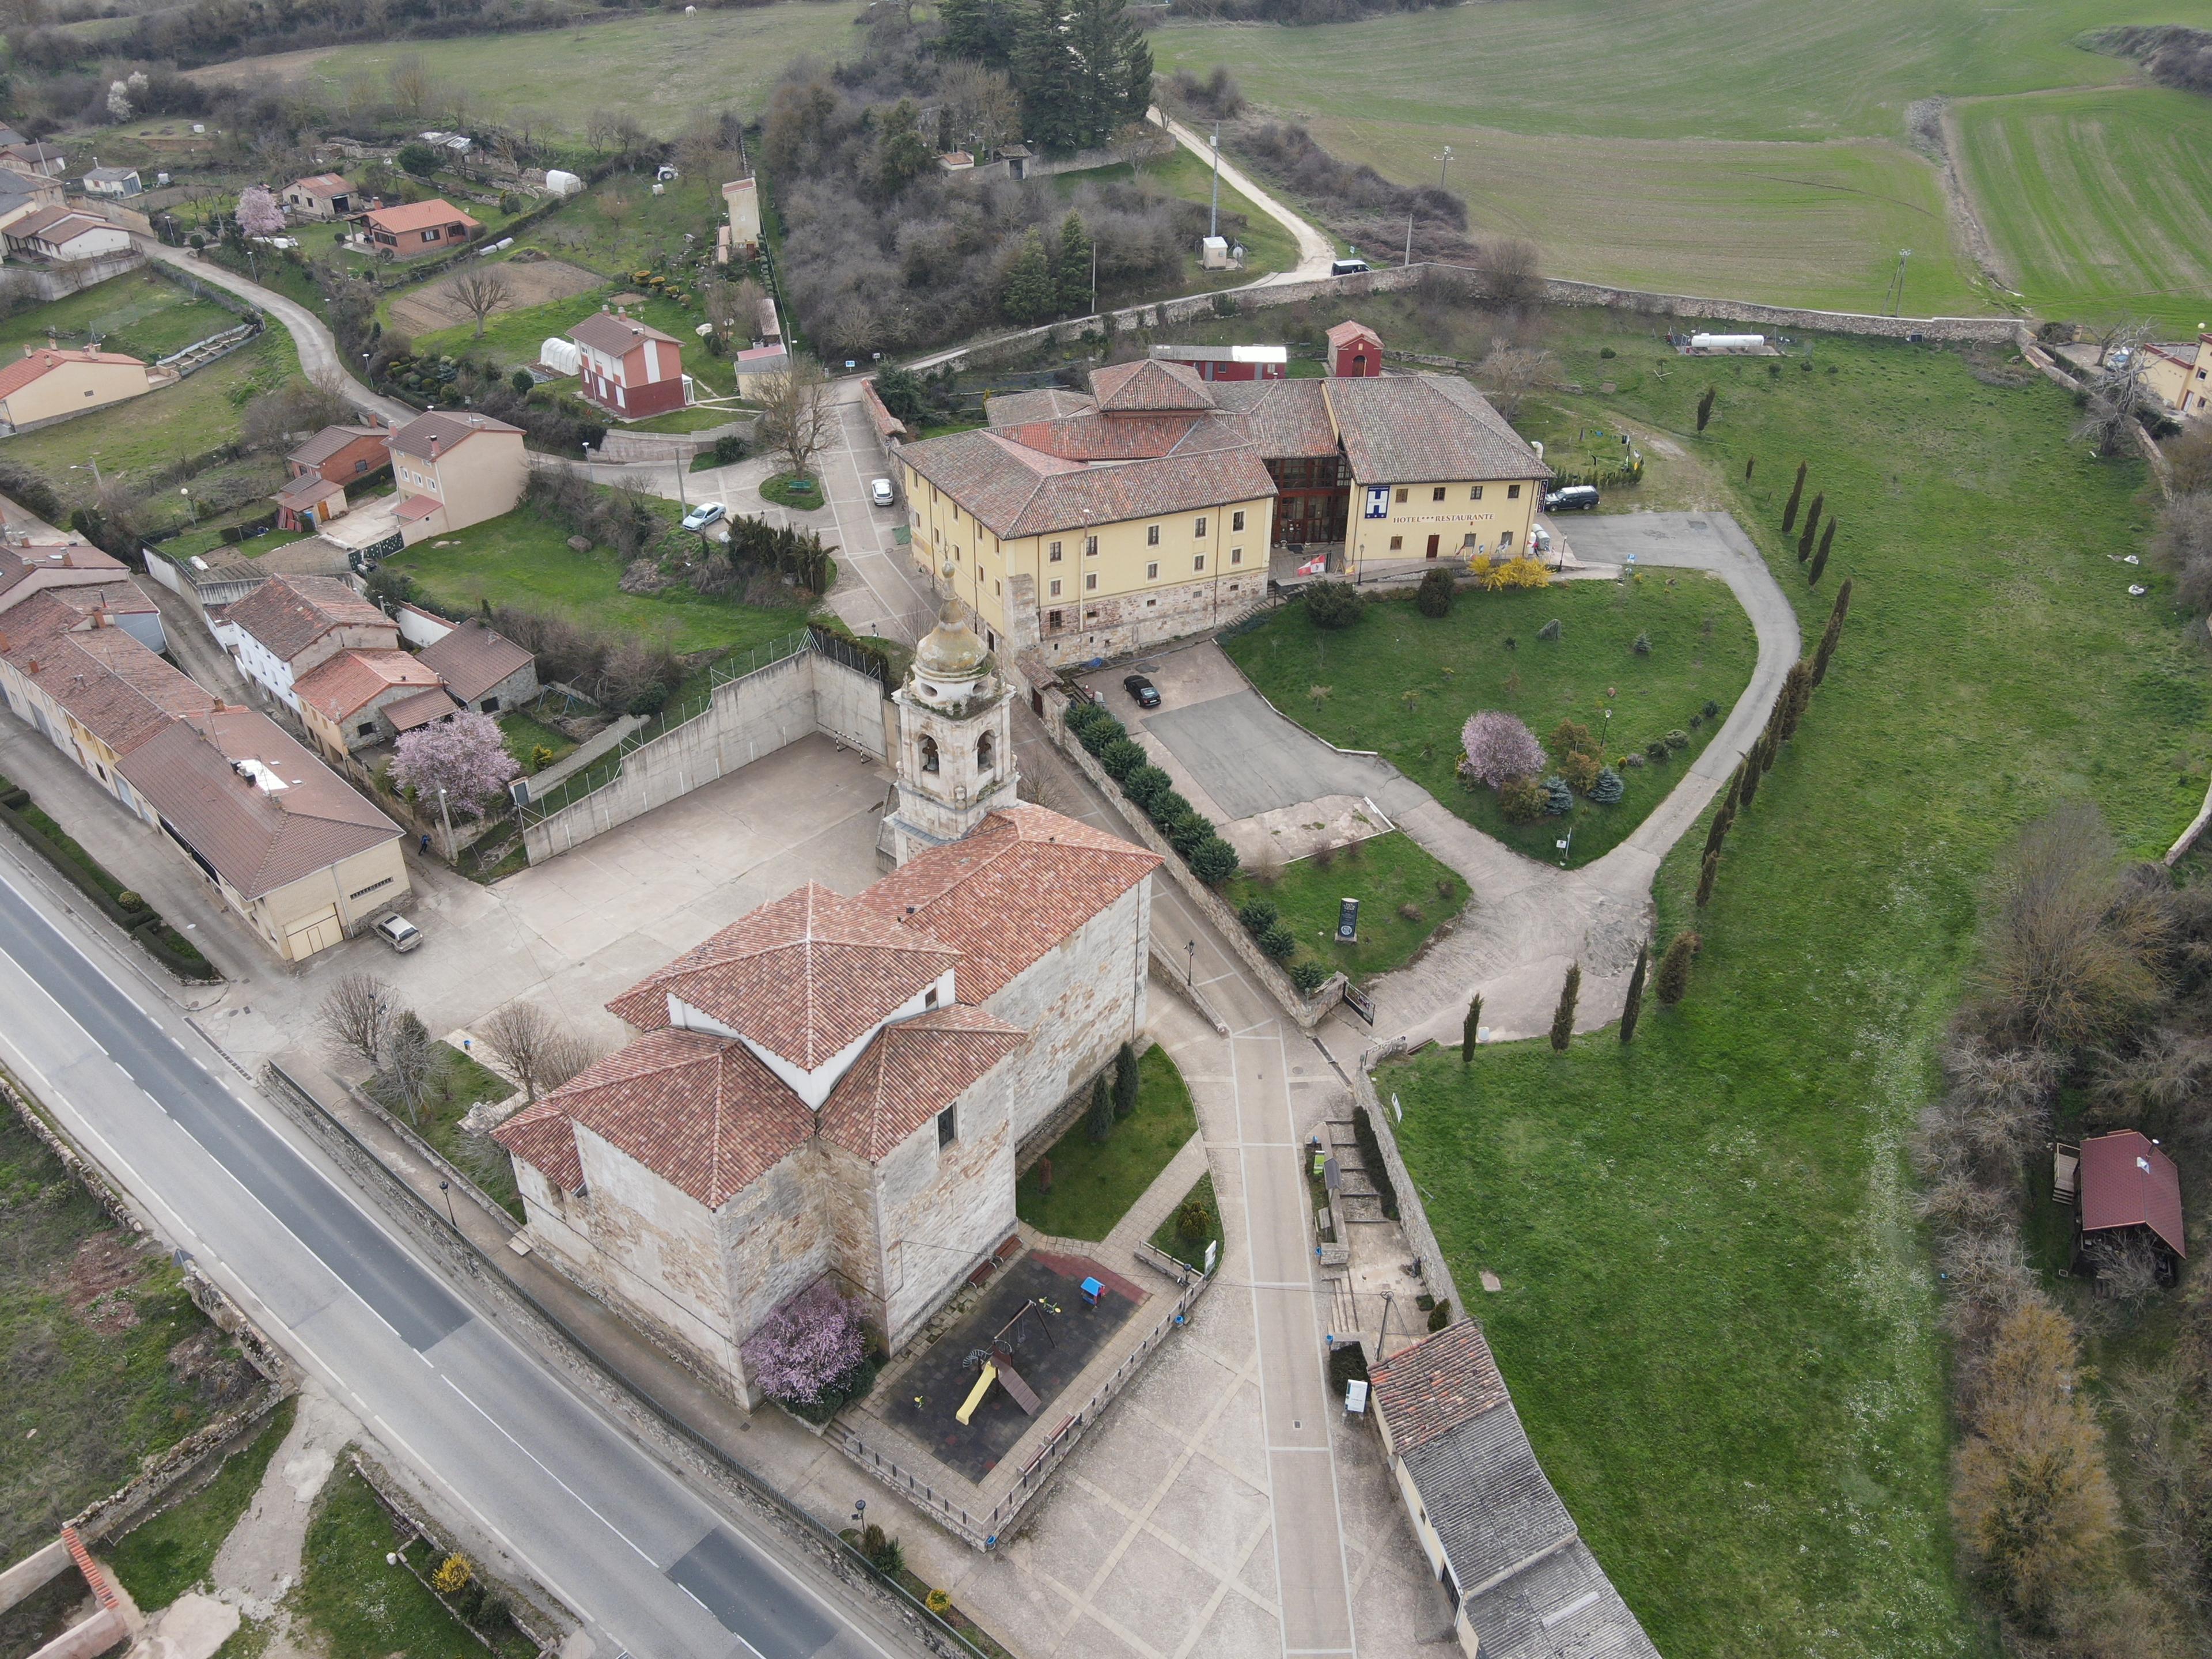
pixel 956 749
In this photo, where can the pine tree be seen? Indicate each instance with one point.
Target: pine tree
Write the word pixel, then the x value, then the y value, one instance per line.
pixel 1107 68
pixel 1819 563
pixel 1027 296
pixel 1704 409
pixel 1041 74
pixel 1125 1081
pixel 1471 1030
pixel 1634 1004
pixel 1706 874
pixel 1101 1124
pixel 1075 296
pixel 1563 1022
pixel 1833 633
pixel 1673 983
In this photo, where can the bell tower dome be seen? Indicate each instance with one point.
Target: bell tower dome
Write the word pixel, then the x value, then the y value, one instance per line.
pixel 956 749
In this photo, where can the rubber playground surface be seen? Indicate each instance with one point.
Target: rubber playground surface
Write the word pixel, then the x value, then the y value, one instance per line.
pixel 1054 1336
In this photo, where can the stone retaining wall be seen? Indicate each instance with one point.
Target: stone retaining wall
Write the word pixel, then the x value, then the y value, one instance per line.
pixel 1413 1217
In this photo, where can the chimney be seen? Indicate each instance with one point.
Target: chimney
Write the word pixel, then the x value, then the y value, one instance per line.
pixel 434 446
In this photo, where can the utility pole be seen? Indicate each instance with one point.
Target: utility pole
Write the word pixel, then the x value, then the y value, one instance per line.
pixel 1444 171
pixel 1409 236
pixel 453 854
pixel 1213 218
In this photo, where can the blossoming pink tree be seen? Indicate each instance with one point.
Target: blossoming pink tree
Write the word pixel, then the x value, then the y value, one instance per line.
pixel 463 755
pixel 805 1346
pixel 1499 748
pixel 258 214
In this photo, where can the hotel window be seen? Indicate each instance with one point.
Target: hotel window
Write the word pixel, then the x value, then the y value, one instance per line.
pixel 1401 497
pixel 1055 589
pixel 1506 538
pixel 1052 620
pixel 1235 555
pixel 1090 547
pixel 1236 521
pixel 1513 492
pixel 1476 495
pixel 1055 553
pixel 1152 571
pixel 1198 563
pixel 1200 531
pixel 1091 583
pixel 1438 494
pixel 997 589
pixel 1397 543
pixel 1151 535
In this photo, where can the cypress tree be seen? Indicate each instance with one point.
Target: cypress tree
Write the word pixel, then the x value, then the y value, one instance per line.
pixel 1125 1081
pixel 1827 535
pixel 1724 820
pixel 1704 409
pixel 1101 1124
pixel 1752 772
pixel 1674 981
pixel 1796 692
pixel 1819 563
pixel 1796 490
pixel 1750 463
pixel 1833 633
pixel 1735 793
pixel 1074 266
pixel 1706 874
pixel 1472 1029
pixel 1563 1022
pixel 1634 1004
pixel 1769 751
pixel 1811 525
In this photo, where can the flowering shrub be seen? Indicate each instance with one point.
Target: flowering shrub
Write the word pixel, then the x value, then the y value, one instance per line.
pixel 806 1347
pixel 1502 574
pixel 1499 748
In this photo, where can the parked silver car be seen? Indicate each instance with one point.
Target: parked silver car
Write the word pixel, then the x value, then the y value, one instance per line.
pixel 401 934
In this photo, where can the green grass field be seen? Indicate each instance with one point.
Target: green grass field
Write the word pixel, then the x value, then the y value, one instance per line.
pixel 512 338
pixel 662 66
pixel 138 310
pixel 1385 873
pixel 2100 203
pixel 161 1559
pixel 1739 147
pixel 1703 650
pixel 524 560
pixel 1717 1317
pixel 1095 1181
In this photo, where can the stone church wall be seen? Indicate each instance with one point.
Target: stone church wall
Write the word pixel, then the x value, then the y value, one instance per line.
pixel 945 1208
pixel 1079 1003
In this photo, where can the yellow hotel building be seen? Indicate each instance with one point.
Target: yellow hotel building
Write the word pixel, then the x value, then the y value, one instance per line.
pixel 1094 527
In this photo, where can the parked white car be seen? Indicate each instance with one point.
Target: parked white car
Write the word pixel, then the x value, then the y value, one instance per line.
pixel 401 934
pixel 879 492
pixel 705 513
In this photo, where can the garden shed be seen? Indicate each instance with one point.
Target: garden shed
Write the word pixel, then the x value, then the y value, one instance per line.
pixel 2127 1189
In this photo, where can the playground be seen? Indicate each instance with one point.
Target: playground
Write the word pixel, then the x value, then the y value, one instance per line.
pixel 1034 1329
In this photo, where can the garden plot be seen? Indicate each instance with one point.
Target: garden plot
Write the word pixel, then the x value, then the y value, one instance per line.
pixel 529 282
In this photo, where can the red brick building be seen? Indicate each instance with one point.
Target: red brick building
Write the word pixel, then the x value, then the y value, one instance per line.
pixel 628 368
pixel 1355 351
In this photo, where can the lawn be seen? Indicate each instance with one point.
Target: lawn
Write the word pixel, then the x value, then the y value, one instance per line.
pixel 138 313
pixel 512 339
pixel 362 1606
pixel 134 441
pixel 1702 650
pixel 664 68
pixel 1388 874
pixel 87 1317
pixel 160 1559
pixel 526 734
pixel 1717 1317
pixel 524 560
pixel 1746 148
pixel 1267 245
pixel 2100 203
pixel 201 542
pixel 458 1083
pixel 619 226
pixel 801 490
pixel 1095 1181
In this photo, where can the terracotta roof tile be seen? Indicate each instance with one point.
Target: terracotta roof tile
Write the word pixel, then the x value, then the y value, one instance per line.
pixel 420 215
pixel 329 442
pixel 804 977
pixel 701 1112
pixel 408 713
pixel 1437 1385
pixel 1426 429
pixel 1148 386
pixel 616 335
pixel 912 1071
pixel 1018 492
pixel 45 360
pixel 287 614
pixel 443 429
pixel 473 659
pixel 352 679
pixel 2126 1182
pixel 111 685
pixel 1016 888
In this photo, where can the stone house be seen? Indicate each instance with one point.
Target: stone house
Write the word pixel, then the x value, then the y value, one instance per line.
pixel 841 1086
pixel 325 196
pixel 482 668
pixel 343 699
pixel 289 626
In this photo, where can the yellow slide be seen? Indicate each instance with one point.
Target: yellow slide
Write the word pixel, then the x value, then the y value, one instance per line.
pixel 975 1395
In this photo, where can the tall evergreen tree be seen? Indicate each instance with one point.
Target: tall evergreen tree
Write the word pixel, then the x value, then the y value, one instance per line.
pixel 1026 296
pixel 1796 490
pixel 1075 294
pixel 980 29
pixel 1472 1029
pixel 1634 1004
pixel 1827 535
pixel 1041 72
pixel 1101 1122
pixel 1750 462
pixel 1724 820
pixel 1752 772
pixel 1768 751
pixel 1125 1080
pixel 1736 792
pixel 1833 633
pixel 1563 1020
pixel 1704 409
pixel 1673 983
pixel 1819 563
pixel 1796 692
pixel 1707 872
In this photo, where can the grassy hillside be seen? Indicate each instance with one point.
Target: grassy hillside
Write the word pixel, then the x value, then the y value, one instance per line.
pixel 662 67
pixel 1717 1314
pixel 2100 203
pixel 1740 147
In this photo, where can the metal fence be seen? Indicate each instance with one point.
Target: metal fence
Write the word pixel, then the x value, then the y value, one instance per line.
pixel 319 1118
pixel 578 786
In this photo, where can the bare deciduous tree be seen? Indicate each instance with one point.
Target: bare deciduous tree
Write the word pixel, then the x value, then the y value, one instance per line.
pixel 538 1051
pixel 480 293
pixel 357 1016
pixel 2119 394
pixel 614 208
pixel 1509 372
pixel 409 1067
pixel 413 86
pixel 1511 271
pixel 797 417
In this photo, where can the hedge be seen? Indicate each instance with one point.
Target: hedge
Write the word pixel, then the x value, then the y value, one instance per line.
pixel 143 923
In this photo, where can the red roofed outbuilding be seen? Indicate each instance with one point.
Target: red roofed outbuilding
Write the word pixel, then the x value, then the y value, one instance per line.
pixel 628 369
pixel 2127 1189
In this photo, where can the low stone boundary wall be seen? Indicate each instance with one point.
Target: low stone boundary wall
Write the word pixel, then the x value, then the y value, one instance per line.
pixel 1413 1217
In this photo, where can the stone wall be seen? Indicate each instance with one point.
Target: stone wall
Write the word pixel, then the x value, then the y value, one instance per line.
pixel 1079 1003
pixel 1991 331
pixel 1413 1218
pixel 752 715
pixel 944 1208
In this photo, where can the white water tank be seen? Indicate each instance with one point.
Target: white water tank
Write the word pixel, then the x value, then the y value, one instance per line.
pixel 563 184
pixel 1726 342
pixel 561 356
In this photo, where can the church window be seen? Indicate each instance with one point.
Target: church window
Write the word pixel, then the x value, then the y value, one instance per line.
pixel 985 753
pixel 929 754
pixel 948 1127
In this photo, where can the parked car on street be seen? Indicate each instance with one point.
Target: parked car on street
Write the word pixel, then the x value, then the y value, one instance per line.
pixel 879 492
pixel 1147 694
pixel 1575 498
pixel 705 513
pixel 401 934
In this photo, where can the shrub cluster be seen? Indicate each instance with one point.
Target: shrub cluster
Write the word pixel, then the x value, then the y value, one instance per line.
pixel 1190 832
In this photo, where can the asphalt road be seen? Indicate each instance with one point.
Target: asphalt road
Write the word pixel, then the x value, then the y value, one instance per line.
pixel 652 1566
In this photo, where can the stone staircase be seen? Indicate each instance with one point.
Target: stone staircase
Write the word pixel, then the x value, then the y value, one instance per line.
pixel 1357 1199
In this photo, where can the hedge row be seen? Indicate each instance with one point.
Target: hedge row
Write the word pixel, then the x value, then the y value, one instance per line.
pixel 1190 832
pixel 125 909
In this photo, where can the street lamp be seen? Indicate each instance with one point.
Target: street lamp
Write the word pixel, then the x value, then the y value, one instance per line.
pixel 98 482
pixel 1190 966
pixel 446 1187
pixel 1446 158
pixel 185 490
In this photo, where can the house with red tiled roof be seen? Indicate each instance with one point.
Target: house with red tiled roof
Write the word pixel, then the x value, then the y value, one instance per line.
pixel 290 626
pixel 51 383
pixel 629 369
pixel 341 700
pixel 842 1086
pixel 454 469
pixel 415 229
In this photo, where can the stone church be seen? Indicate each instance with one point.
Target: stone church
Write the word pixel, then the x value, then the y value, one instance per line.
pixel 842 1085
